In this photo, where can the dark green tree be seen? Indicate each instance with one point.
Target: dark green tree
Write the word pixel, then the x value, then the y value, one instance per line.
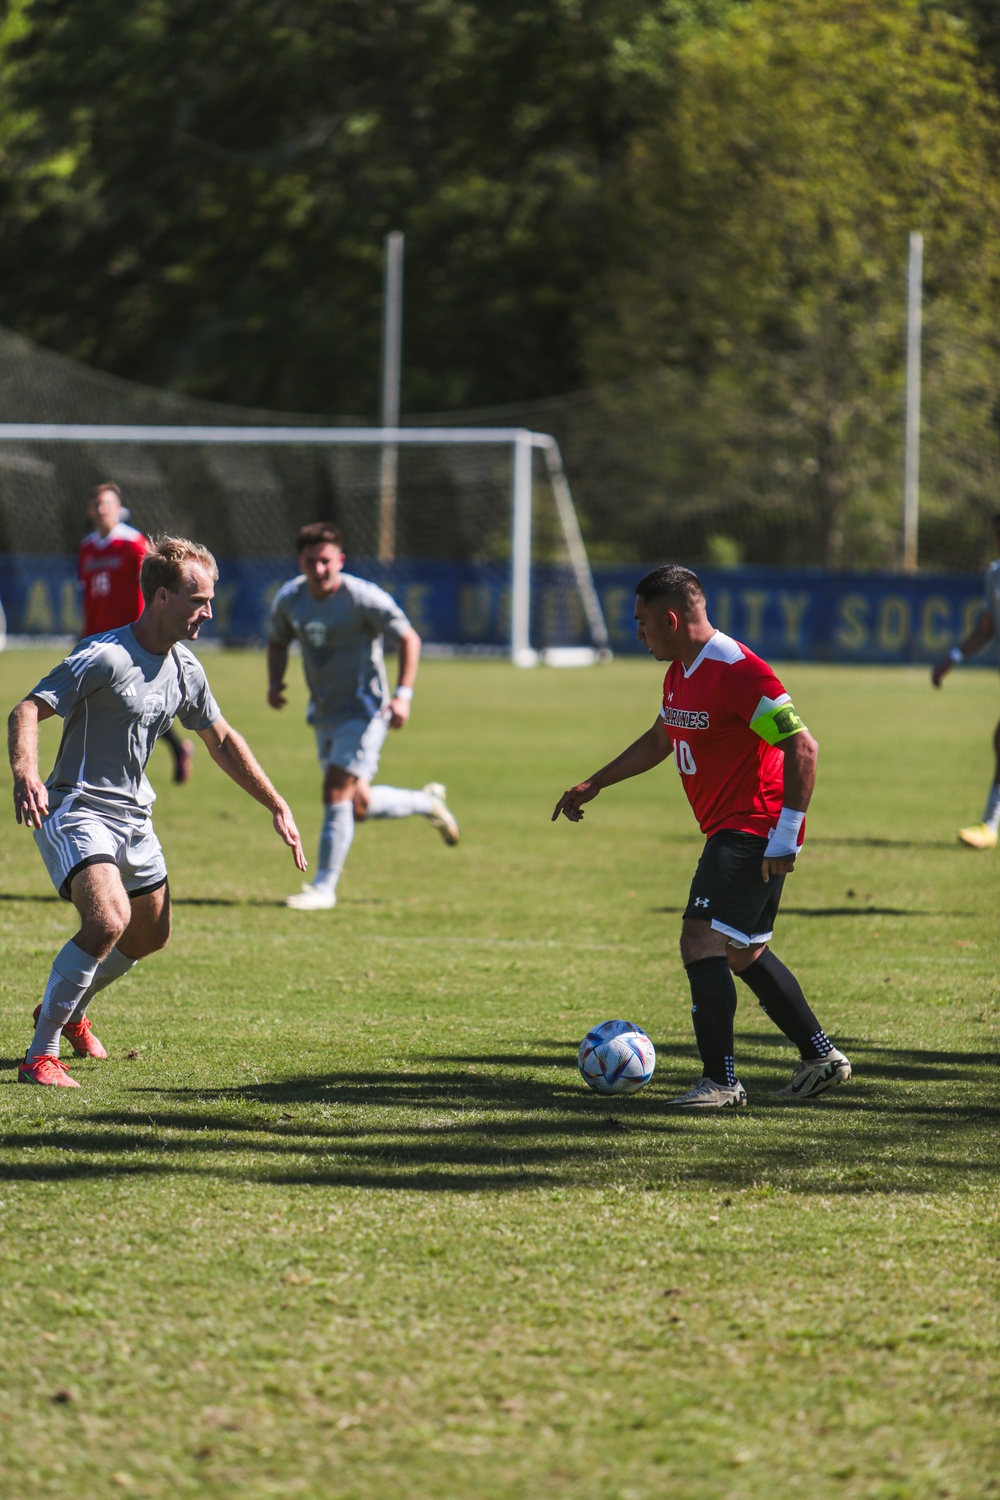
pixel 197 196
pixel 761 266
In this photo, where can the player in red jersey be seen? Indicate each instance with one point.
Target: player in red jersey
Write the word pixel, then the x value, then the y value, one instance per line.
pixel 748 766
pixel 108 565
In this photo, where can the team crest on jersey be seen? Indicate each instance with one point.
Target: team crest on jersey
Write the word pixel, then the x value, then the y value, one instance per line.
pixel 315 632
pixel 153 708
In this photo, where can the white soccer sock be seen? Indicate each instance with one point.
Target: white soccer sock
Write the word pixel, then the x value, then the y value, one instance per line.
pixel 70 979
pixel 991 817
pixel 397 802
pixel 110 969
pixel 335 840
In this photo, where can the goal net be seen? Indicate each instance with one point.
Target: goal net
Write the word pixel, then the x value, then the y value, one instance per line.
pixel 474 530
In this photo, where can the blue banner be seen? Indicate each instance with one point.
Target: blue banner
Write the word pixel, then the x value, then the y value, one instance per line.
pixel 782 613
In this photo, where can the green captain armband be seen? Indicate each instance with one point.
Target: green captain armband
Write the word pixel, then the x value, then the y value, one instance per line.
pixel 776 720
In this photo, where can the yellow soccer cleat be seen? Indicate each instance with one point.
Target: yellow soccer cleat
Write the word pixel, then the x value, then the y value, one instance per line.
pixel 979 836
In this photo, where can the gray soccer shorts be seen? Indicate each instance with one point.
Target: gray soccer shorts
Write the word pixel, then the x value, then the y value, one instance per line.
pixel 73 837
pixel 354 745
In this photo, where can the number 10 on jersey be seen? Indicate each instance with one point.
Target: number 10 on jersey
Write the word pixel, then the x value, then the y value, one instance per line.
pixel 684 759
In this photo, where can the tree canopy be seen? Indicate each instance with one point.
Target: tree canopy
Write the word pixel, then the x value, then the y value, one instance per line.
pixel 198 195
pixel 698 210
pixel 767 220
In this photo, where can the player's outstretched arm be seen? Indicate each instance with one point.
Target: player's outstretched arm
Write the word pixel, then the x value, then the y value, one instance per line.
pixel 800 752
pixel 649 750
pixel 277 665
pixel 409 657
pixel 979 636
pixel 233 755
pixel 31 797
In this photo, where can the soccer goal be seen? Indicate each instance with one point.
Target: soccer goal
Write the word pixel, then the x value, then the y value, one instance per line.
pixel 473 528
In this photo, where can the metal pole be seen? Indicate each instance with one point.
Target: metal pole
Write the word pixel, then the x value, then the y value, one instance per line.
pixel 520 579
pixel 392 339
pixel 575 546
pixel 911 487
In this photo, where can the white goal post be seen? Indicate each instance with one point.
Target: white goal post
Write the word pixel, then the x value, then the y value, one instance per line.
pixel 521 442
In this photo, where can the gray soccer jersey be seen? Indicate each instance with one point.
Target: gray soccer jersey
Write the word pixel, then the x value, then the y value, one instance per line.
pixel 116 700
pixel 341 639
pixel 991 588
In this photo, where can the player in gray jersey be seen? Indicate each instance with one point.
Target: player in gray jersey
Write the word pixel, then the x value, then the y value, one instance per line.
pixel 982 835
pixel 339 622
pixel 118 693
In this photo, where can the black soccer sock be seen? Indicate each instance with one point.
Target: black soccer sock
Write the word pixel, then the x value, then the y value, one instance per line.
pixel 713 1007
pixel 782 1000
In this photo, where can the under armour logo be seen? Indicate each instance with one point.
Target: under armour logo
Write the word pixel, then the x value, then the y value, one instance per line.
pixel 701 900
pixel 670 697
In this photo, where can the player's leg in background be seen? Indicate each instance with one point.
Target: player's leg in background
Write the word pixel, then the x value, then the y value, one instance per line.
pixel 99 896
pixel 402 802
pixel 335 839
pixel 985 835
pixel 183 753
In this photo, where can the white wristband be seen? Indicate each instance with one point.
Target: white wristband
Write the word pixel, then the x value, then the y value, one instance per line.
pixel 784 840
pixel 406 693
pixel 956 655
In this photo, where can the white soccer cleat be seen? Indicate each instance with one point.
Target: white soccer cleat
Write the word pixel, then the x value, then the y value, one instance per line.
pixel 312 898
pixel 979 836
pixel 707 1094
pixel 440 816
pixel 816 1076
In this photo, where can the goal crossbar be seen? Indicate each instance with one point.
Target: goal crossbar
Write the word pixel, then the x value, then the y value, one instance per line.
pixel 521 440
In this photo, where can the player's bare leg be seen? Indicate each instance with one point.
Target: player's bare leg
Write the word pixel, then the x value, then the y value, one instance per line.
pixel 985 835
pixel 103 906
pixel 336 837
pixel 147 932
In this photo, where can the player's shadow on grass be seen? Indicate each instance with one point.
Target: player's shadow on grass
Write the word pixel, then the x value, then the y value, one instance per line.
pixel 807 1152
pixel 515 1121
pixel 867 842
pixel 833 911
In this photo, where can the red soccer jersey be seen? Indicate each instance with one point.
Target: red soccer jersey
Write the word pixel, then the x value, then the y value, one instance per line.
pixel 732 776
pixel 108 569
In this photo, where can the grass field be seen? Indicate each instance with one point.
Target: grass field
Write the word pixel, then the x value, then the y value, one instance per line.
pixel 339 1218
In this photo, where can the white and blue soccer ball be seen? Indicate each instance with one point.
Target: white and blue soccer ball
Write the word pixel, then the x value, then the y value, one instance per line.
pixel 616 1057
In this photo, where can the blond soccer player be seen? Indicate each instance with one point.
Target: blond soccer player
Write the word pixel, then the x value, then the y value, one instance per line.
pixel 118 693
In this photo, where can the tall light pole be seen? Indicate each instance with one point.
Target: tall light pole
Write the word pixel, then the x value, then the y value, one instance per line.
pixel 392 341
pixel 911 485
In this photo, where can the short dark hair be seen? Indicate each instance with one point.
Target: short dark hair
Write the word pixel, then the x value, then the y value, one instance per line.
pixel 317 534
pixel 670 581
pixel 100 488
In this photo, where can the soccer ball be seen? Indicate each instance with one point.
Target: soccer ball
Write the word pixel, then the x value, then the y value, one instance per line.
pixel 616 1058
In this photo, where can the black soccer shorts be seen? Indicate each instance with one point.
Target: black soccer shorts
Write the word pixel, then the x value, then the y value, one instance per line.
pixel 729 890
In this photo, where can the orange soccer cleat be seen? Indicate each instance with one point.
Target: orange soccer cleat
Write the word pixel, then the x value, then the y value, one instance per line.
pixel 48 1071
pixel 80 1035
